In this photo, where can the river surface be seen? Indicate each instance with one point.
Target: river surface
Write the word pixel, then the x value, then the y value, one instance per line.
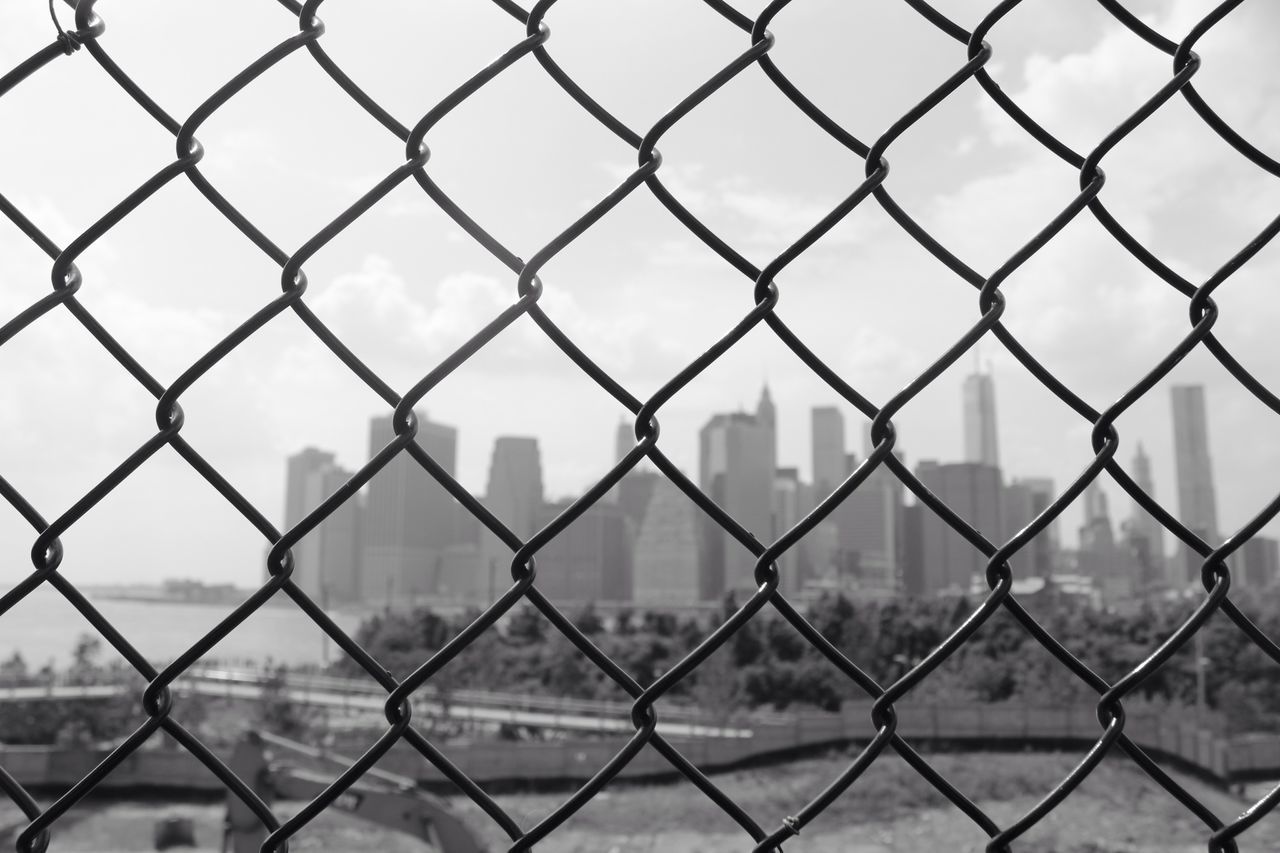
pixel 43 627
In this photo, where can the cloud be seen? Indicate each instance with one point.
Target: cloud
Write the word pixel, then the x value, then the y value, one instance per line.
pixel 1087 310
pixel 756 219
pixel 380 315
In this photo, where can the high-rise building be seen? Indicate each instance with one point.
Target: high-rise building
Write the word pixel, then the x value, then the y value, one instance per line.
pixel 736 471
pixel 980 444
pixel 1098 557
pixel 913 573
pixel 791 501
pixel 667 544
pixel 635 491
pixel 1256 565
pixel 1116 570
pixel 325 560
pixel 410 519
pixel 767 418
pixel 624 439
pixel 514 495
pixel 829 465
pixel 298 468
pixel 869 533
pixel 1197 506
pixel 948 563
pixel 1023 500
pixel 590 560
pixel 1145 535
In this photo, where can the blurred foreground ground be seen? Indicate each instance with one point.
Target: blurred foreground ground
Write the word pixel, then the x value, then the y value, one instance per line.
pixel 1117 810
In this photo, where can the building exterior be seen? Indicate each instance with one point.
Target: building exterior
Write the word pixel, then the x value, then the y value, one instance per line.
pixel 301 471
pixel 767 420
pixel 514 495
pixel 464 577
pixel 666 570
pixel 869 533
pixel 1144 535
pixel 624 440
pixel 635 491
pixel 792 499
pixel 913 574
pixel 948 564
pixel 590 560
pixel 736 453
pixel 1024 499
pixel 326 560
pixel 980 444
pixel 829 463
pixel 1256 564
pixel 830 467
pixel 1197 504
pixel 1100 557
pixel 410 519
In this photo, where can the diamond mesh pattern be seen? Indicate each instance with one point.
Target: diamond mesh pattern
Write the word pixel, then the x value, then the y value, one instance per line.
pixel 89 35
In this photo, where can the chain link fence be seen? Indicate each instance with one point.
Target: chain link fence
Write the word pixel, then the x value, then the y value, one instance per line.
pixel 88 34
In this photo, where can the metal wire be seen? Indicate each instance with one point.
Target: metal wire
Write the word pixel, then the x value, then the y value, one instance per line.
pixel 157 700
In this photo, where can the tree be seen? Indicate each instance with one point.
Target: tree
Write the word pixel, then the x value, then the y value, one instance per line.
pixel 526 626
pixel 715 688
pixel 13 672
pixel 277 712
pixel 589 621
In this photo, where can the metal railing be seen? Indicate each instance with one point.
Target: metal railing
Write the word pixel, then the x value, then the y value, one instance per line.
pixel 530 36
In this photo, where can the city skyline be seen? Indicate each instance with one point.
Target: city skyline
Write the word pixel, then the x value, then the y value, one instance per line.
pixel 403 286
pixel 835 455
pixel 877 541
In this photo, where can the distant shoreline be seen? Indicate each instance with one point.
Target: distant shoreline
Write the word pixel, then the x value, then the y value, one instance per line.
pixel 144 598
pixel 232 599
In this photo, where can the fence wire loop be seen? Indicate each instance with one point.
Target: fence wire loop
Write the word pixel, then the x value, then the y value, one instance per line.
pixel 70 41
pixel 760 308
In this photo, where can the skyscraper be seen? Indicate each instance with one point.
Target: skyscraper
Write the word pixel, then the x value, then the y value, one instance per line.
pixel 515 482
pixel 1115 571
pixel 869 526
pixel 1197 506
pixel 791 500
pixel 514 495
pixel 624 439
pixel 666 560
pixel 947 562
pixel 590 560
pixel 767 418
pixel 410 519
pixel 736 471
pixel 1256 566
pixel 1097 556
pixel 325 559
pixel 980 420
pixel 829 466
pixel 1023 500
pixel 1146 535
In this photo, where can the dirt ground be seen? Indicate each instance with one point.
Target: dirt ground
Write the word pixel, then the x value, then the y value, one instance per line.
pixel 128 827
pixel 890 810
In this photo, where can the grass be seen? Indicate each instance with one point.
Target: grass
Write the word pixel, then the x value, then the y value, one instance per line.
pixel 891 809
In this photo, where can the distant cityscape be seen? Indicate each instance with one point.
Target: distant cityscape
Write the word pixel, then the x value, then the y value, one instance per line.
pixel 405 540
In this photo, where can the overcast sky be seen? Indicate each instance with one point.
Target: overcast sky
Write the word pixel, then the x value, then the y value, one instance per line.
pixel 404 285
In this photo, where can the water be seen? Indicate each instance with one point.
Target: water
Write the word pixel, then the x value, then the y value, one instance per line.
pixel 44 628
